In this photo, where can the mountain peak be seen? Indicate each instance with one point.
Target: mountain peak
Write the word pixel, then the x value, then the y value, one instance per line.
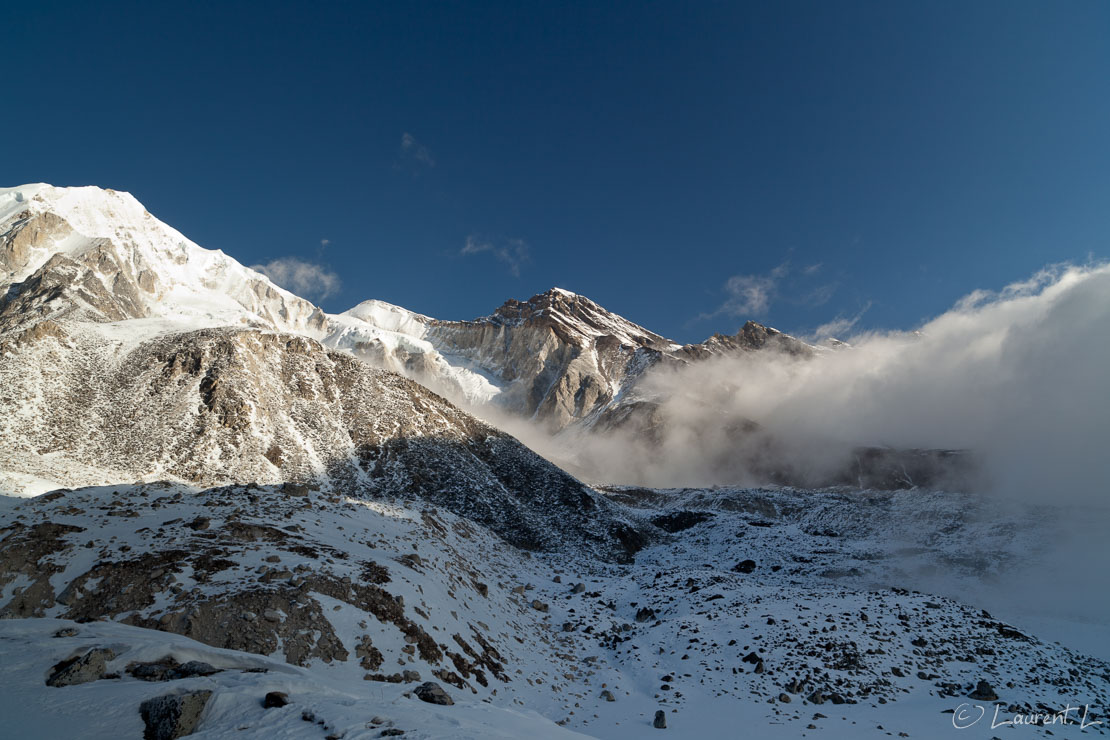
pixel 576 318
pixel 97 254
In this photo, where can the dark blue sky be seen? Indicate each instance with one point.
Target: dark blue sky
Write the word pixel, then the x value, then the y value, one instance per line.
pixel 886 154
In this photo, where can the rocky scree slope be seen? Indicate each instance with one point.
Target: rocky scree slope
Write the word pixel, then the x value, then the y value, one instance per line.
pixel 216 406
pixel 374 596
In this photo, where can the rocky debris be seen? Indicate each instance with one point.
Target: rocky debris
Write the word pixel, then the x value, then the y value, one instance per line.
pixel 173 715
pixel 578 588
pixel 539 605
pixel 660 721
pixel 983 692
pixel 369 656
pixel 607 695
pixel 85 668
pixel 66 632
pixel 645 614
pixel 275 700
pixel 432 693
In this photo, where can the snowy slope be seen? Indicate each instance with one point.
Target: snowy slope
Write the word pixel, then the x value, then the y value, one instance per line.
pixel 117 243
pixel 337 598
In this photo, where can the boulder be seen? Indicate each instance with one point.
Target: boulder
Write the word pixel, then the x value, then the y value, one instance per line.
pixel 432 693
pixel 172 716
pixel 88 667
pixel 983 692
pixel 275 700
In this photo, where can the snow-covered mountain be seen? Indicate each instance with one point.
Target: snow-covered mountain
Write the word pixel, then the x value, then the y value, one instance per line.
pixel 98 255
pixel 128 353
pixel 224 512
pixel 558 358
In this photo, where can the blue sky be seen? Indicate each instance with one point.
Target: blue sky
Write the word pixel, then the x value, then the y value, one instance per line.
pixel 688 165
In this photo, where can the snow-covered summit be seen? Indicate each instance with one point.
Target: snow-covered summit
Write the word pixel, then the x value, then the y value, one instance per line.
pixel 109 259
pixel 576 318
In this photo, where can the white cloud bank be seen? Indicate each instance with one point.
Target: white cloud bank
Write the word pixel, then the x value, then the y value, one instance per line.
pixel 1021 377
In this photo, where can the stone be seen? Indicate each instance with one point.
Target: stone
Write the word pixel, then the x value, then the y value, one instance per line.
pixel 172 716
pixel 88 667
pixel 539 605
pixel 275 700
pixel 433 693
pixel 660 721
pixel 193 668
pixel 294 489
pixel 167 669
pixel 607 695
pixel 645 614
pixel 983 692
pixel 410 676
pixel 578 588
pixel 744 566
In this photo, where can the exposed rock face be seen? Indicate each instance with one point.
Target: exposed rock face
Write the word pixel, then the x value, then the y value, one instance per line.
pixel 558 358
pixel 228 405
pixel 752 336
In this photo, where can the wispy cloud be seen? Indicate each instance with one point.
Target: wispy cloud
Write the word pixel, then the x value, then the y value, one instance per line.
pixel 840 326
pixel 306 279
pixel 414 153
pixel 749 295
pixel 820 295
pixel 513 252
